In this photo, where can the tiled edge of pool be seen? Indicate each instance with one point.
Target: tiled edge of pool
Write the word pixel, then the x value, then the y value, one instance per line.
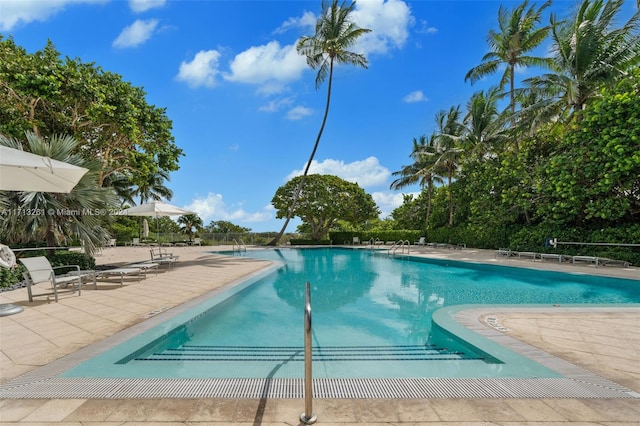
pixel 463 320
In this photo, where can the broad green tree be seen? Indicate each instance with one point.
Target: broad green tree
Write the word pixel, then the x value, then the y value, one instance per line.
pixel 520 33
pixel 108 117
pixel 59 218
pixel 594 175
pixel 225 227
pixel 590 52
pixel 323 201
pixel 335 34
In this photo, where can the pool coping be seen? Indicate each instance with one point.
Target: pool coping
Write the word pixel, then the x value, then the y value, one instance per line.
pixel 464 320
pixel 46 382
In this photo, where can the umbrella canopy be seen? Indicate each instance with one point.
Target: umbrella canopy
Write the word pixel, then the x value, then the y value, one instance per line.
pixel 24 171
pixel 155 209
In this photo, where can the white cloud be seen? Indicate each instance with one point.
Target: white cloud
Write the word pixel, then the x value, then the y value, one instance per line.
pixel 298 113
pixel 213 207
pixel 425 28
pixel 389 201
pixel 143 5
pixel 267 64
pixel 415 96
pixel 202 70
pixel 14 12
pixel 307 22
pixel 366 173
pixel 389 22
pixel 276 105
pixel 136 33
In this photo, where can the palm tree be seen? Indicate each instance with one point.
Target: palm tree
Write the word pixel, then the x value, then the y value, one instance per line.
pixel 588 54
pixel 484 129
pixel 448 149
pixel 335 33
pixel 519 34
pixel 153 188
pixel 59 218
pixel 421 171
pixel 189 223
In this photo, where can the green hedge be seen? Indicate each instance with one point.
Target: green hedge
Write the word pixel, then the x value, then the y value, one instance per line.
pixel 303 242
pixel 346 237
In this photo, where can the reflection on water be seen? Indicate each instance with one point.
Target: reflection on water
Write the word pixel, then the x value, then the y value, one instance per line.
pixel 369 304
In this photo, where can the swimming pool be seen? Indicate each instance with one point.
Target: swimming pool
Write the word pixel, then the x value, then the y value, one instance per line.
pixel 372 318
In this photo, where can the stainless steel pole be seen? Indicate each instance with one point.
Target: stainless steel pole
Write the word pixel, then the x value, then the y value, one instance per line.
pixel 308 417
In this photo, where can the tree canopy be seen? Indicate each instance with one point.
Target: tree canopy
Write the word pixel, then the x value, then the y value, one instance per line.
pixel 108 117
pixel 323 201
pixel 562 161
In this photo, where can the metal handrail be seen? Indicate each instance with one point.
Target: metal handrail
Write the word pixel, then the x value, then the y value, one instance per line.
pixel 240 245
pixel 400 245
pixel 308 417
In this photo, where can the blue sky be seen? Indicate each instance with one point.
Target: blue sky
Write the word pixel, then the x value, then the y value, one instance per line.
pixel 243 103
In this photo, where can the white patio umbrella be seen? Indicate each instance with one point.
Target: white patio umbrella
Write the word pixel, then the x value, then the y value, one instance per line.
pixel 24 171
pixel 155 209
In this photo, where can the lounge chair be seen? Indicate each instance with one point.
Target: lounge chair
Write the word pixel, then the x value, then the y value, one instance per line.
pixel 356 240
pixel 196 242
pixel 527 254
pixel 504 252
pixel 420 242
pixel 613 262
pixel 161 256
pixel 120 272
pixel 586 259
pixel 39 270
pixel 554 256
pixel 136 242
pixel 111 242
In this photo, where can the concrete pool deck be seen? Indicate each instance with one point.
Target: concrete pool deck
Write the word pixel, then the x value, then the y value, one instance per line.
pixel 48 331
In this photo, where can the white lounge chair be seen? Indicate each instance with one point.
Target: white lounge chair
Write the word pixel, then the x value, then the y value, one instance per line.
pixel 196 241
pixel 39 270
pixel 356 240
pixel 120 272
pixel 420 242
pixel 161 256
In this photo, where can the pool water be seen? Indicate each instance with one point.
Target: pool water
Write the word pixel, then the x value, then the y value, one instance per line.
pixel 371 318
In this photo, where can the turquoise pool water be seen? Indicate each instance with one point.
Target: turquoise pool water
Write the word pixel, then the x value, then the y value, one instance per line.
pixel 371 318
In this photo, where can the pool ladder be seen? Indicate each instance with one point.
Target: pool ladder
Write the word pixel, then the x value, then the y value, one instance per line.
pixel 308 417
pixel 239 246
pixel 401 246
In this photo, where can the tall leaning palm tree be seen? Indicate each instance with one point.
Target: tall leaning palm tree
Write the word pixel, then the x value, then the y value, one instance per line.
pixel 422 171
pixel 519 34
pixel 335 34
pixel 590 51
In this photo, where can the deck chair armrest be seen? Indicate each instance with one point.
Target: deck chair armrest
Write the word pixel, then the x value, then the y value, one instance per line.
pixel 70 267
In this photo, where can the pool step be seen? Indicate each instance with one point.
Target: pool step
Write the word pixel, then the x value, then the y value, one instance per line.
pixel 296 353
